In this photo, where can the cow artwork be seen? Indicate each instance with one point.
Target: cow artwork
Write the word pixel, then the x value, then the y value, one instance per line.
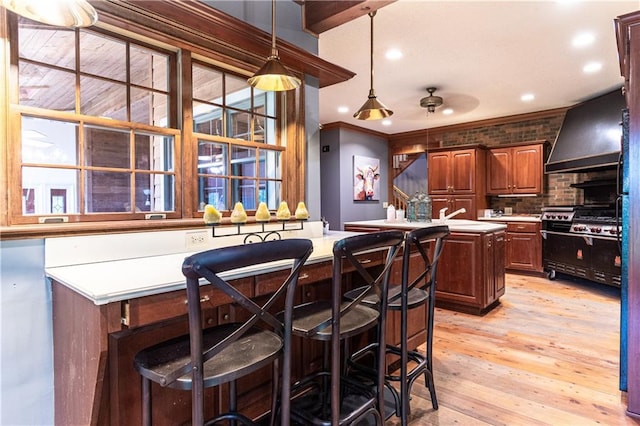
pixel 366 175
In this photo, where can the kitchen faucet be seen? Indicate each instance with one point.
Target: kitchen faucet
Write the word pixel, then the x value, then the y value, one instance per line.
pixel 449 216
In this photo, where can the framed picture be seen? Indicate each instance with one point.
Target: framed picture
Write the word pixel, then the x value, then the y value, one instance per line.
pixel 366 178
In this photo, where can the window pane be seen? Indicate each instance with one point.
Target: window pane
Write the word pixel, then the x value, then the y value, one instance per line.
pixel 269 164
pixel 269 192
pixel 106 148
pixel 101 98
pixel 239 125
pixel 149 107
pixel 107 192
pixel 148 68
pixel 154 152
pixel 48 141
pixel 207 119
pixel 264 103
pixel 213 191
pixel 37 41
pixel 237 92
pixel 243 161
pixel 154 193
pixel 244 190
pixel 49 191
pixel 207 84
pixel 44 87
pixel 92 57
pixel 212 158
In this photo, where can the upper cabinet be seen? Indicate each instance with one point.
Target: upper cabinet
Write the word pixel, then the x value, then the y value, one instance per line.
pixel 455 171
pixel 457 180
pixel 515 169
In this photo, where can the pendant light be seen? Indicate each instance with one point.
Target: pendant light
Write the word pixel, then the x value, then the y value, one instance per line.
pixel 60 13
pixel 372 109
pixel 273 76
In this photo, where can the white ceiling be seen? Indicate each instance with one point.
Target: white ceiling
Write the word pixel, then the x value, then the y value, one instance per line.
pixel 482 56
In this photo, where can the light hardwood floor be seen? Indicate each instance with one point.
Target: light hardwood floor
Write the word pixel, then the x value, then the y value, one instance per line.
pixel 548 354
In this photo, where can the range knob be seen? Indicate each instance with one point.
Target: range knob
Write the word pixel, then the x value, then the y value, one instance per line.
pixel 613 231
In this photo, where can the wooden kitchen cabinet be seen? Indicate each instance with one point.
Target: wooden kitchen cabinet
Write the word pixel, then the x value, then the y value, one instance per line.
pixel 515 169
pixel 471 272
pixel 455 171
pixel 453 203
pixel 456 179
pixel 524 246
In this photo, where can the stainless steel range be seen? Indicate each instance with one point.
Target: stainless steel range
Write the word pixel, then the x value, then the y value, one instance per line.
pixel 582 241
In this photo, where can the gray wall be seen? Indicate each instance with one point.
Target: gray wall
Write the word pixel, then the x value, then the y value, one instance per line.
pixel 336 174
pixel 26 345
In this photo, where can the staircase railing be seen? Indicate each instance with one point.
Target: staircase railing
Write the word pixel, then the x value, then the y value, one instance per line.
pixel 399 198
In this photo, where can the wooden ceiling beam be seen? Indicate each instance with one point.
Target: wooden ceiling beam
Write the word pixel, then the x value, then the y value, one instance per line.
pixel 322 15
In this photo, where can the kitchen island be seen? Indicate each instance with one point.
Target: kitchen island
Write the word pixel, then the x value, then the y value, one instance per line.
pixel 472 266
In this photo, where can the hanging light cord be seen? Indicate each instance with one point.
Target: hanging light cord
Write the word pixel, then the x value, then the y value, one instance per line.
pixel 371 91
pixel 274 50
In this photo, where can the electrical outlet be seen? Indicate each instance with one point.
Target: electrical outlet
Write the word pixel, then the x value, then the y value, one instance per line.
pixel 195 240
pixel 385 205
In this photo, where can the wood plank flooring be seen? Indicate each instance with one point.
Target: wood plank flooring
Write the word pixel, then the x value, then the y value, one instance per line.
pixel 547 355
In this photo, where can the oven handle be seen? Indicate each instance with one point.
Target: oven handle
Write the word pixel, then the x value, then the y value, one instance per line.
pixel 587 238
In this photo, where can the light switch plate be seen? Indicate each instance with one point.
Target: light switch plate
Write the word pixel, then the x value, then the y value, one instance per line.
pixel 508 210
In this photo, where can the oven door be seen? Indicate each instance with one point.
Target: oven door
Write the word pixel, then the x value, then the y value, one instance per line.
pixel 565 252
pixel 606 263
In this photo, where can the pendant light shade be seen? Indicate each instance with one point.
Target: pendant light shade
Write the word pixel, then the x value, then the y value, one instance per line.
pixel 60 13
pixel 372 109
pixel 273 76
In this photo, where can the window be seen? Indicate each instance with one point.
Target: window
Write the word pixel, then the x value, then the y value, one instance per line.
pixel 94 124
pixel 101 128
pixel 238 156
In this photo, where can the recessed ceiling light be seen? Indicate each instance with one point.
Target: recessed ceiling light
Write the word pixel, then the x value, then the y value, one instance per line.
pixel 343 109
pixel 386 122
pixel 583 39
pixel 447 111
pixel 527 97
pixel 393 54
pixel 592 67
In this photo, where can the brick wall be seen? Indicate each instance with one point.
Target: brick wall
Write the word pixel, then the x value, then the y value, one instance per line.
pixel 557 189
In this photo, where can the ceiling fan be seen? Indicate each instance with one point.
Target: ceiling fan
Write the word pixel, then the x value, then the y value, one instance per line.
pixel 431 102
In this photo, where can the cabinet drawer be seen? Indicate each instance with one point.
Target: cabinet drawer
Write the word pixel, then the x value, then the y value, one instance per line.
pixel 523 226
pixel 159 307
pixel 269 283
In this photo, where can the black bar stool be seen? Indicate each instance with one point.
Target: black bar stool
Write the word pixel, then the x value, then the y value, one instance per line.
pixel 415 290
pixel 329 397
pixel 224 353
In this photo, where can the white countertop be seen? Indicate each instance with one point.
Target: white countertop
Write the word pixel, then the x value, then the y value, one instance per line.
pixel 455 225
pixel 513 218
pixel 97 268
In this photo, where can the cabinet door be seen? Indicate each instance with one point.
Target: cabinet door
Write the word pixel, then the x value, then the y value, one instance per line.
pixel 498 171
pixel 468 203
pixel 461 271
pixel 527 170
pixel 463 166
pixel 438 203
pixel 524 251
pixel 439 172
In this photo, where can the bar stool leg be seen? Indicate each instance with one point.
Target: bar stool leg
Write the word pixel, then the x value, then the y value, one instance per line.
pixel 146 402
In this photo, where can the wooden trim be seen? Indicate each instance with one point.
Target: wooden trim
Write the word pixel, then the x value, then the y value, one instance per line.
pixel 4 114
pixel 347 126
pixel 208 31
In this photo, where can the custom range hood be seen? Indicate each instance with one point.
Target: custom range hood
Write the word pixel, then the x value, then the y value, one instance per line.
pixel 589 138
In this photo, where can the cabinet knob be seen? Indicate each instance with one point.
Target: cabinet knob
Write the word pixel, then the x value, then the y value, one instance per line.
pixel 225 317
